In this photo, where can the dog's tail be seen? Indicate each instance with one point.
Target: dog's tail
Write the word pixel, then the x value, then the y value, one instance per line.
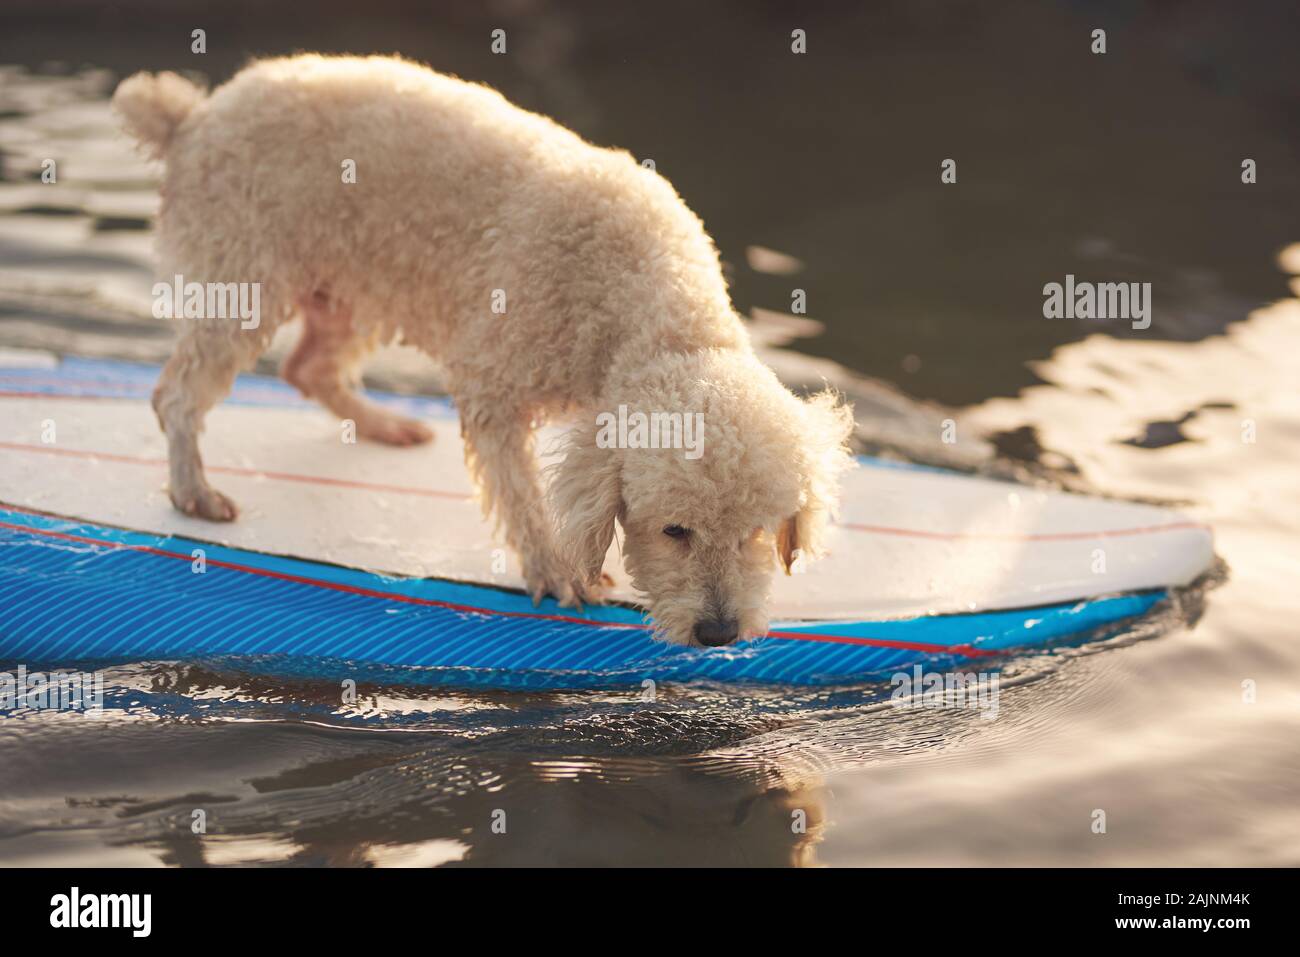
pixel 152 106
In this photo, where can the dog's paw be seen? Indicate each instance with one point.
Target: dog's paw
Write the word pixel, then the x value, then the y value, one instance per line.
pixel 206 503
pixel 555 581
pixel 566 594
pixel 578 595
pixel 394 430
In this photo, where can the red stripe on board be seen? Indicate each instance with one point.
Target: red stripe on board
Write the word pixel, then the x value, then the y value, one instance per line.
pixel 966 650
pixel 102 389
pixel 129 390
pixel 462 496
pixel 6 394
pixel 314 582
pixel 1030 537
pixel 249 473
pixel 253 395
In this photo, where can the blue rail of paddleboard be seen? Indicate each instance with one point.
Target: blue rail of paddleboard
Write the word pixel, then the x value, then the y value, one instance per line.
pixel 119 379
pixel 72 591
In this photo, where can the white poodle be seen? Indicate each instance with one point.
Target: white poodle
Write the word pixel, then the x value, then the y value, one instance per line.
pixel 381 201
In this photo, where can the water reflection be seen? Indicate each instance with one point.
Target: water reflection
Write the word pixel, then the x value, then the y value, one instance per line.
pixel 280 772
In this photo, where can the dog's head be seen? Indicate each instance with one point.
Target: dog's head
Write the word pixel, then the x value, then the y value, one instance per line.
pixel 717 474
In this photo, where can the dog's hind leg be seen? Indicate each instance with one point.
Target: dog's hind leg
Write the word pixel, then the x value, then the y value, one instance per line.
pixel 198 376
pixel 325 366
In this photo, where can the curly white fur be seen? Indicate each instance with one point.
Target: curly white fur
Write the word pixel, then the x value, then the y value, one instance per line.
pixel 613 295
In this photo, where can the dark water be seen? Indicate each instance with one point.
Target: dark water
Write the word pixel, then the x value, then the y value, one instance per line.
pixel 1122 167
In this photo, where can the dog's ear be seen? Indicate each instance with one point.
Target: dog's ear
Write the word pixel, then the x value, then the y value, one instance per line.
pixel 586 497
pixel 787 542
pixel 799 537
pixel 823 456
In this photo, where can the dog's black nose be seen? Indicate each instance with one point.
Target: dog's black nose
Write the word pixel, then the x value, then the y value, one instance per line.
pixel 716 632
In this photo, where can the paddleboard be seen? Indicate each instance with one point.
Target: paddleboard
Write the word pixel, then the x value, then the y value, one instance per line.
pixel 348 553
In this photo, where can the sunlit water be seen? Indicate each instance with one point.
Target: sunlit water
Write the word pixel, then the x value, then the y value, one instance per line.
pixel 1181 728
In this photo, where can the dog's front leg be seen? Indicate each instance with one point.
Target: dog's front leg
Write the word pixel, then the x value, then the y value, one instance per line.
pixel 499 452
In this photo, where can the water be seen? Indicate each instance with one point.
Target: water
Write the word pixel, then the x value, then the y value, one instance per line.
pixel 929 311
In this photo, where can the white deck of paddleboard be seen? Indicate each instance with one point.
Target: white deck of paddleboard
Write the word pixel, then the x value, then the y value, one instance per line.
pixel 910 542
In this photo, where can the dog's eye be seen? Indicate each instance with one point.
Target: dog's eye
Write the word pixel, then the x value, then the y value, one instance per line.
pixel 676 531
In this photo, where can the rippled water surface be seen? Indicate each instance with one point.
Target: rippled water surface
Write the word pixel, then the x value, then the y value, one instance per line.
pixel 1148 722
